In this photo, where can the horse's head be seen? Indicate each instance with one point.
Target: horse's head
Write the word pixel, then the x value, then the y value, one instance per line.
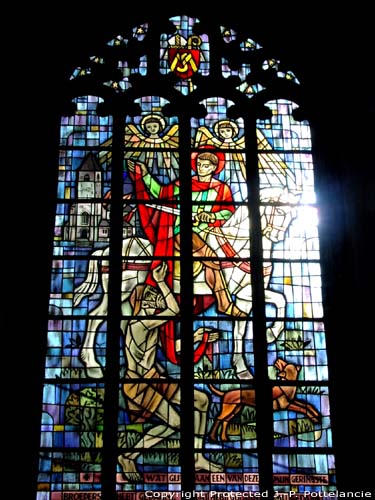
pixel 277 212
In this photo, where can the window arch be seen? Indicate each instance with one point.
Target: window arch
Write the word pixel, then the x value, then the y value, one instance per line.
pixel 85 218
pixel 212 185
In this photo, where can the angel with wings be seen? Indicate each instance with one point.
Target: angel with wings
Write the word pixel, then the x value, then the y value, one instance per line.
pixel 225 136
pixel 272 168
pixel 142 140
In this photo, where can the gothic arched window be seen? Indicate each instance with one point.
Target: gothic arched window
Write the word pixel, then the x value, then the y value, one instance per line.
pixel 85 218
pixel 186 338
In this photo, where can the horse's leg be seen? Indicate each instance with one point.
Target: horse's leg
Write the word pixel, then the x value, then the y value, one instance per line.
pixel 239 283
pixel 129 280
pixel 87 354
pixel 279 301
pixel 240 327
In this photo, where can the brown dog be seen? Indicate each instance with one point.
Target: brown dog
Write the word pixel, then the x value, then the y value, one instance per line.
pixel 283 398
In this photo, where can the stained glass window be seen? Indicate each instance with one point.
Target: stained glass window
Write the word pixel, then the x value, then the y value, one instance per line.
pixel 186 343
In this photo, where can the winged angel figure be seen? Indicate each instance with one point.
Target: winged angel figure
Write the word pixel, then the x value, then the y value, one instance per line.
pixel 225 135
pixel 141 141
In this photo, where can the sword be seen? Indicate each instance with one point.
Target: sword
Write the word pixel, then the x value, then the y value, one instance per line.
pixel 168 210
pixel 175 211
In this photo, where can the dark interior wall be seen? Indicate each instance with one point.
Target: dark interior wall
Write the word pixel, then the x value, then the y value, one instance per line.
pixel 331 55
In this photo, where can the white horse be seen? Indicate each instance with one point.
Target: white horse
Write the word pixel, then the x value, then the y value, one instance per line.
pixel 134 271
pixel 232 239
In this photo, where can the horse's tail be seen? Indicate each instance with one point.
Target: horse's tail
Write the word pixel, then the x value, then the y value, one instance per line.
pixel 215 390
pixel 91 282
